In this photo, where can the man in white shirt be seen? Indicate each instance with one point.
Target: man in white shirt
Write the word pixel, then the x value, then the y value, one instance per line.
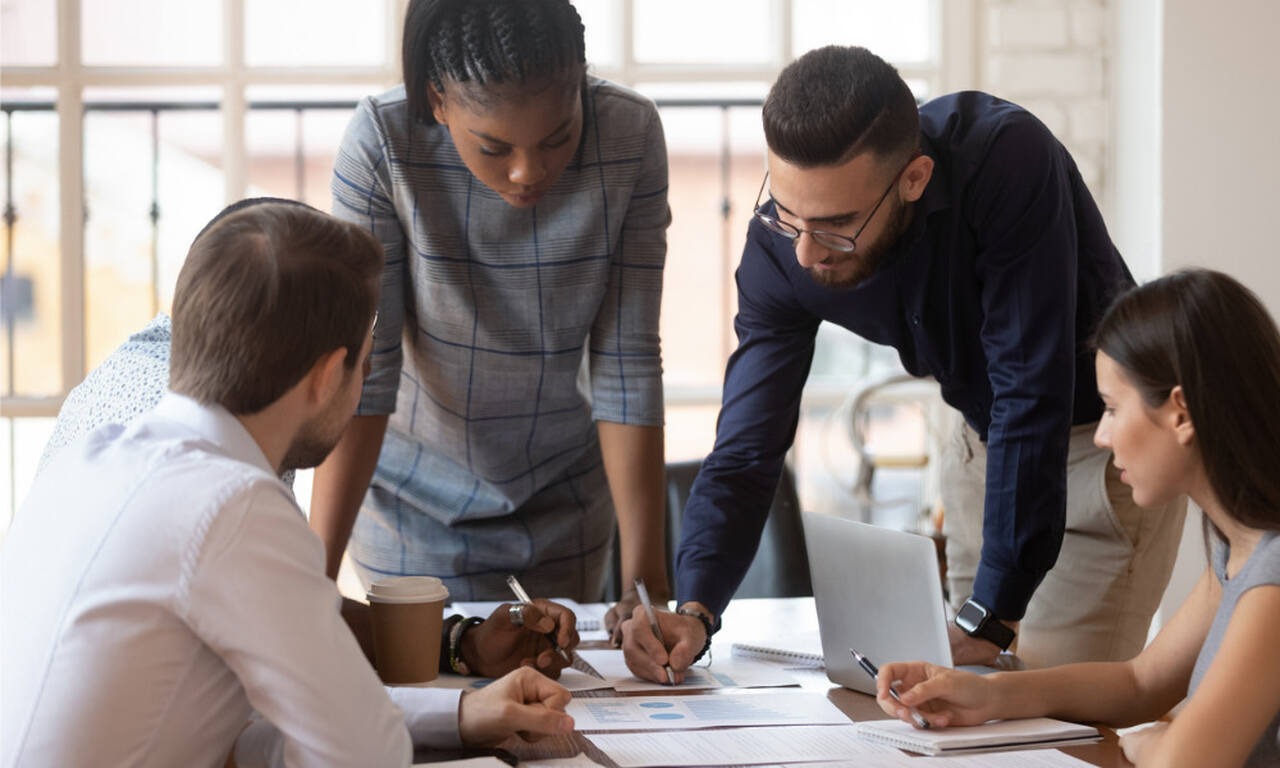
pixel 160 580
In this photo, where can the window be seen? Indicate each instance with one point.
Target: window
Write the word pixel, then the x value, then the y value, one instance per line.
pixel 129 121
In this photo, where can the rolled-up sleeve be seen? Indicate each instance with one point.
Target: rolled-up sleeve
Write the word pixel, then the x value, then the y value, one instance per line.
pixel 361 187
pixel 1027 269
pixel 730 498
pixel 626 352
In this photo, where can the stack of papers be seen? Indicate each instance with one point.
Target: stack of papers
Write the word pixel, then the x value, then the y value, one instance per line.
pixel 836 746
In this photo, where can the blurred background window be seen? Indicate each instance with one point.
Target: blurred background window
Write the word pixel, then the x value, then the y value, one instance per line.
pixel 117 154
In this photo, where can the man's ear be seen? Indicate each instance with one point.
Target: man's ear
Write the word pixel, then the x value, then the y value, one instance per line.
pixel 915 178
pixel 436 99
pixel 327 376
pixel 1180 416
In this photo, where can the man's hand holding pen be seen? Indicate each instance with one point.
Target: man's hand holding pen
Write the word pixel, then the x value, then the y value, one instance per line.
pixel 684 637
pixel 497 646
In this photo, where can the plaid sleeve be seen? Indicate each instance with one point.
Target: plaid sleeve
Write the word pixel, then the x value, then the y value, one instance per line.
pixel 361 188
pixel 626 352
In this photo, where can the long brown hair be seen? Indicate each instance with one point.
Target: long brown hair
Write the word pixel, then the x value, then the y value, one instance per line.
pixel 1204 331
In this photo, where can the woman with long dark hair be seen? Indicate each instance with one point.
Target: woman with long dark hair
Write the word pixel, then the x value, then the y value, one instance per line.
pixel 1189 371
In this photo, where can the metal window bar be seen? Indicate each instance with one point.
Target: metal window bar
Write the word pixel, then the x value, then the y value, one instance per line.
pixel 156 108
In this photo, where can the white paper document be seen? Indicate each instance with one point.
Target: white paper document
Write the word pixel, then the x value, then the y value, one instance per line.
pixel 1040 758
pixel 745 746
pixel 571 679
pixel 676 712
pixel 818 746
pixel 579 760
pixel 730 673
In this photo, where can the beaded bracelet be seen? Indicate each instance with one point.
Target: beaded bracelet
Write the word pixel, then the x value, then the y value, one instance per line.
pixel 446 631
pixel 706 623
pixel 455 644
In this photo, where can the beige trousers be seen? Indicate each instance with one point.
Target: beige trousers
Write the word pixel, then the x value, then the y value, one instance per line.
pixel 1097 601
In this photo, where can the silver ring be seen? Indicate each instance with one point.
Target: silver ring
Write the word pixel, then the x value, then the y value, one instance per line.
pixel 516 613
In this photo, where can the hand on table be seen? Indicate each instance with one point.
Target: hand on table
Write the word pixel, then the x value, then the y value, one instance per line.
pixel 522 702
pixel 944 696
pixel 645 656
pixel 973 650
pixel 497 646
pixel 1136 742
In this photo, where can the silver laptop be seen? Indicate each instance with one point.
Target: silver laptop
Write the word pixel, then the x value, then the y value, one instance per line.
pixel 878 590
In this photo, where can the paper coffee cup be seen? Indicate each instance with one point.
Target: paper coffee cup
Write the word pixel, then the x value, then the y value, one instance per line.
pixel 407 614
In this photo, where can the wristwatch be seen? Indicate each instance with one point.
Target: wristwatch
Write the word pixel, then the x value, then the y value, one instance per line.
pixel 978 621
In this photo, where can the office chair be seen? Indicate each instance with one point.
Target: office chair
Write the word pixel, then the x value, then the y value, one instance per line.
pixel 781 564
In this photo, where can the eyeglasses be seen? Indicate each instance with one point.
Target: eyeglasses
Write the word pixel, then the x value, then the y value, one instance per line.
pixel 829 240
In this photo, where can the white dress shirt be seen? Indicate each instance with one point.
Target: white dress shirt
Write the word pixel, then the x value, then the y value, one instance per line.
pixel 160 584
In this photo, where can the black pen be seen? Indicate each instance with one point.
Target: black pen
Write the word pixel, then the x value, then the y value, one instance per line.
pixel 870 669
pixel 524 598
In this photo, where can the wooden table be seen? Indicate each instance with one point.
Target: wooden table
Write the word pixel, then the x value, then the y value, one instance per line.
pixel 769 619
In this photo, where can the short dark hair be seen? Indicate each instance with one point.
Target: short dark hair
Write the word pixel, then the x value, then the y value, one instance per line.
pixel 265 292
pixel 487 42
pixel 1204 331
pixel 836 102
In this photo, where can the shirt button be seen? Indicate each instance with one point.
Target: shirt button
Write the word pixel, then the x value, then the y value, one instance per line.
pixel 915 319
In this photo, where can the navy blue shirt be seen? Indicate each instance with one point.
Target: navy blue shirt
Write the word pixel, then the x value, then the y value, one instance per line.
pixel 994 290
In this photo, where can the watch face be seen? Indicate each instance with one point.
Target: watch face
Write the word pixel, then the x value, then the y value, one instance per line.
pixel 970 617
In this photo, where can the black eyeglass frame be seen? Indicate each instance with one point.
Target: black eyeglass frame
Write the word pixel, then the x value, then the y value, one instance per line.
pixel 830 240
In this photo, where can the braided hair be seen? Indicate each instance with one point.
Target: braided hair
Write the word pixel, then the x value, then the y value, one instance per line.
pixel 487 42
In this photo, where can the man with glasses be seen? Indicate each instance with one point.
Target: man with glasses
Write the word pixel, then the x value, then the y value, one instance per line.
pixel 961 234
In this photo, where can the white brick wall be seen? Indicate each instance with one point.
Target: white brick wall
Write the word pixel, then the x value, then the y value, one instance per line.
pixel 1052 57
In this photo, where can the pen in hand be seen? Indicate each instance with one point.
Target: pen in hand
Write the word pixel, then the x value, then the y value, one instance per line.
pixel 524 598
pixel 653 624
pixel 870 669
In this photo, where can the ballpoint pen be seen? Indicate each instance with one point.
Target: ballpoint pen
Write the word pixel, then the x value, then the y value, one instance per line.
pixel 870 669
pixel 524 598
pixel 653 624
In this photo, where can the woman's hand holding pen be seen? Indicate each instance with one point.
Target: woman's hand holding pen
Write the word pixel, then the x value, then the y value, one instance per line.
pixel 646 657
pixel 497 646
pixel 944 696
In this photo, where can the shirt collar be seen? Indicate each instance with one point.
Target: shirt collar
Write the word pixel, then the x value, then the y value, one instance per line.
pixel 936 197
pixel 216 424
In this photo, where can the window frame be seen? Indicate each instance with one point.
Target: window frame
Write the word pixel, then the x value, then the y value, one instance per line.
pixel 953 66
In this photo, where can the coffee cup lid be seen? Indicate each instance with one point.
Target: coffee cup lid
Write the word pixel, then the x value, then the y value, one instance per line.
pixel 407 589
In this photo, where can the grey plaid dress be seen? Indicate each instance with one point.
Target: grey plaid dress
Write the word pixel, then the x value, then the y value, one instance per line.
pixel 504 334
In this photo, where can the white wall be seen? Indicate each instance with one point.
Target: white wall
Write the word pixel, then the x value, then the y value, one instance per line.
pixel 1195 182
pixel 1052 57
pixel 1221 174
pixel 1135 157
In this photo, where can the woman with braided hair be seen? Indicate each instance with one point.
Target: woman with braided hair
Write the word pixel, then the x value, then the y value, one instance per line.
pixel 515 406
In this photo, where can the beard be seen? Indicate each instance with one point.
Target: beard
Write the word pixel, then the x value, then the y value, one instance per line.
pixel 866 260
pixel 312 444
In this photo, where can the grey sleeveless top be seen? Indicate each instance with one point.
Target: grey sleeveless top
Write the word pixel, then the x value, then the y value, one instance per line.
pixel 1262 568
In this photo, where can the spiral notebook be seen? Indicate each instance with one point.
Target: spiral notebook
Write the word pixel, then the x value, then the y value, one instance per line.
pixel 804 650
pixel 988 737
